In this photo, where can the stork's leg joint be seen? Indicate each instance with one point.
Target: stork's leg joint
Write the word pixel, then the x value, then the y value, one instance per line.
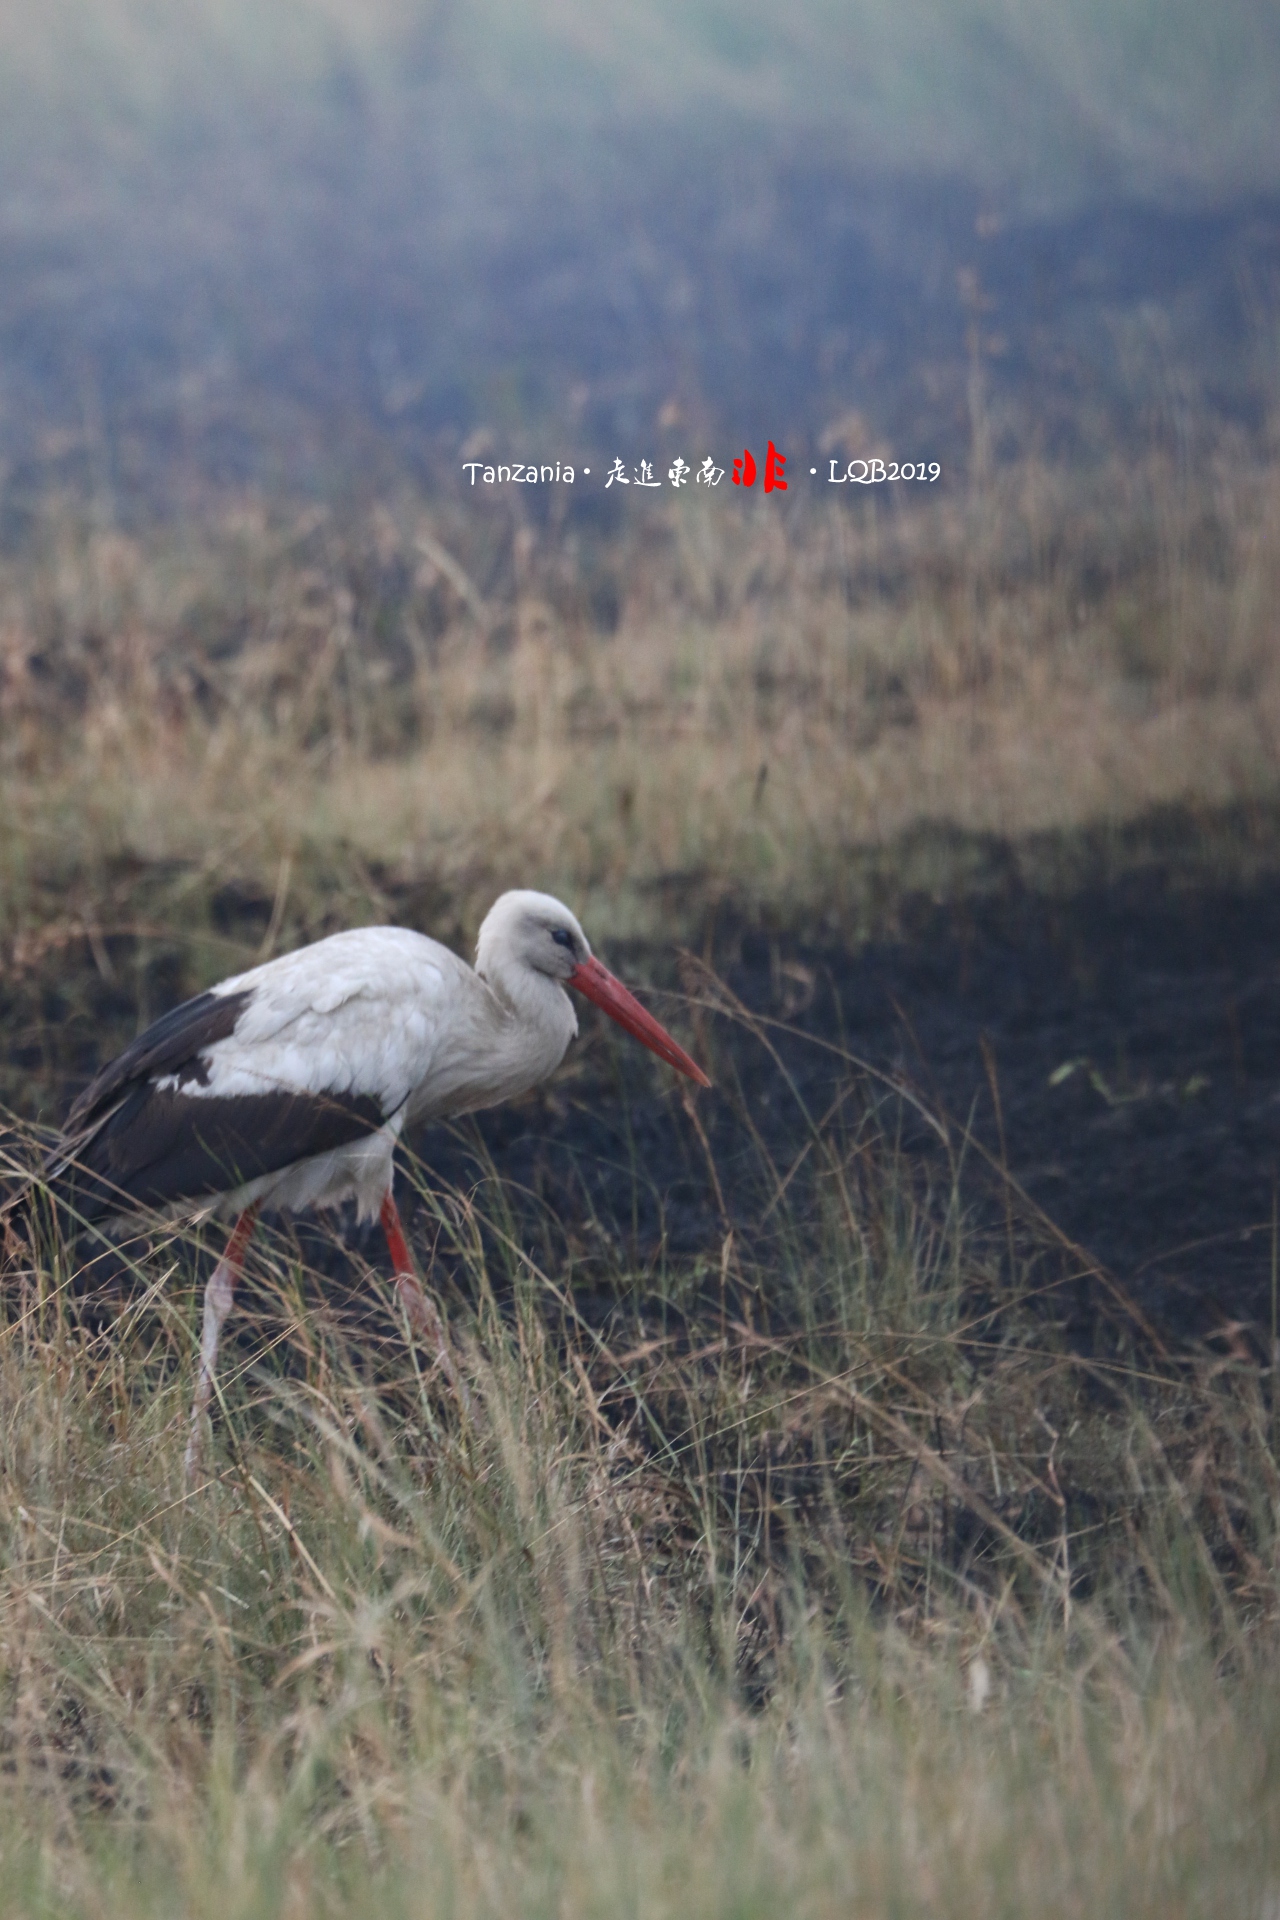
pixel 423 1314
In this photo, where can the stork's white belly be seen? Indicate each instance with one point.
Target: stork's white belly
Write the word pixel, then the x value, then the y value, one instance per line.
pixel 359 1171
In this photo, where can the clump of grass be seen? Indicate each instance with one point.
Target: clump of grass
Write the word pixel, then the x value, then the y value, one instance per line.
pixel 822 1570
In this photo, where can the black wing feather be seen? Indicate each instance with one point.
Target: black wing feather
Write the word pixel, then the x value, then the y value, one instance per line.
pixel 161 1146
pixel 170 1045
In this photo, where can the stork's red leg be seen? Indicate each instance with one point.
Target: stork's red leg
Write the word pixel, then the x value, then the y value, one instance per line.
pixel 219 1296
pixel 422 1312
pixel 397 1245
pixel 419 1309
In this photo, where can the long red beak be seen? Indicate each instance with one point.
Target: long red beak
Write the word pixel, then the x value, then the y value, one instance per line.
pixel 598 984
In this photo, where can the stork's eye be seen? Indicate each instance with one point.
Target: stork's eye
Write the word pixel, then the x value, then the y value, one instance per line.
pixel 563 938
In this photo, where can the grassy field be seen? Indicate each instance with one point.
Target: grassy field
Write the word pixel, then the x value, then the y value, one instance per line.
pixel 905 1610
pixel 826 1570
pixel 708 702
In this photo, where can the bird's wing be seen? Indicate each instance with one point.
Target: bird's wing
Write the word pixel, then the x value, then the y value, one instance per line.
pixel 174 1044
pixel 303 1055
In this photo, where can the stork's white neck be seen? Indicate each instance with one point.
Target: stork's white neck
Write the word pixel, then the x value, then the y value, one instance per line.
pixel 510 1025
pixel 541 1010
pixel 518 1018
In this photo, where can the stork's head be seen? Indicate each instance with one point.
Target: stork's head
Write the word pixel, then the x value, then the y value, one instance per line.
pixel 525 932
pixel 525 929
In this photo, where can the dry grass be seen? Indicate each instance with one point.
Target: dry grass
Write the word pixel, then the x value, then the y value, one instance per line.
pixel 820 1573
pixel 833 1585
pixel 304 702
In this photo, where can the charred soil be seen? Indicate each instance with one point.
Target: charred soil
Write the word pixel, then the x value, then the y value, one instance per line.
pixel 1106 1060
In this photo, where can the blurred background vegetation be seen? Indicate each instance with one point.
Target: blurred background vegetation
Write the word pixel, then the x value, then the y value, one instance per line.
pixel 312 243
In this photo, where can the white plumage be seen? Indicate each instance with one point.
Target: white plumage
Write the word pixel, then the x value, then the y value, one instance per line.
pixel 384 1013
pixel 288 1086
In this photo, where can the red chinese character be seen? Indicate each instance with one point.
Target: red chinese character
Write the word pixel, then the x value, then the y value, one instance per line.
pixel 744 470
pixel 774 465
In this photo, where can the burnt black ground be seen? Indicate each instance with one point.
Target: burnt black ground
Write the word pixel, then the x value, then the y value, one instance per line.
pixel 1158 1152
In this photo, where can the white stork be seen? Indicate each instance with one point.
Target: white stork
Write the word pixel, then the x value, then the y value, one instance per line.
pixel 288 1086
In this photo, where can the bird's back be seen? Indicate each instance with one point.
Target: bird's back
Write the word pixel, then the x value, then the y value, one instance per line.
pixel 301 1056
